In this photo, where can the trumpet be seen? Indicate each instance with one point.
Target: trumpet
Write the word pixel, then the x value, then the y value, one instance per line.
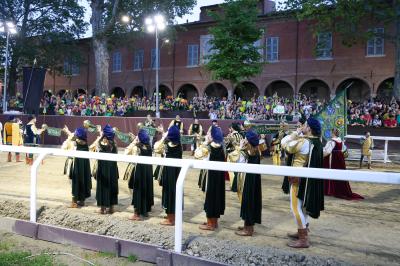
pixel 91 127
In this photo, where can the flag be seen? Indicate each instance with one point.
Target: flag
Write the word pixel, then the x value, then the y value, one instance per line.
pixel 334 115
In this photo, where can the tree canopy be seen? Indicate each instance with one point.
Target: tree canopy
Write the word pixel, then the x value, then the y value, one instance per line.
pixel 46 29
pixel 353 21
pixel 235 52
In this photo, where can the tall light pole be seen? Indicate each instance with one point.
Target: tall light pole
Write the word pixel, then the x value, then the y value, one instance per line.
pixel 9 28
pixel 155 24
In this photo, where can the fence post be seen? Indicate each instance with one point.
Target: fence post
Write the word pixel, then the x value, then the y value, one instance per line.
pixel 179 206
pixel 385 158
pixel 34 168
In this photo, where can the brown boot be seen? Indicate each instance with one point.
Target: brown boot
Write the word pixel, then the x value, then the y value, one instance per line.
pixel 246 231
pixel 296 235
pixel 74 204
pixel 209 226
pixel 169 221
pixel 215 222
pixel 9 157
pixel 26 159
pixel 302 242
pixel 18 158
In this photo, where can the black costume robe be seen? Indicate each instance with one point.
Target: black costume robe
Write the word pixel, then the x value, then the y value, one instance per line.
pixel 251 207
pixel 214 204
pixel 169 176
pixel 107 178
pixel 311 190
pixel 80 174
pixel 141 182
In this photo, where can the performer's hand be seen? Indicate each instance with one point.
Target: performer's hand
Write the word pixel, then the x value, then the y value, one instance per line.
pixel 98 127
pixel 131 135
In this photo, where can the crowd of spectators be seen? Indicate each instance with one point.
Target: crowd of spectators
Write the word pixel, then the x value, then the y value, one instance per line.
pixel 368 113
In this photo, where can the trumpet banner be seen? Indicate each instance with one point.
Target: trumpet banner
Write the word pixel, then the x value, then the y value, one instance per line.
pixel 53 131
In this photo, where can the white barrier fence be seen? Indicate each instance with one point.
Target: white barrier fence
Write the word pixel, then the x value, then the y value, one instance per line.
pixel 386 139
pixel 186 164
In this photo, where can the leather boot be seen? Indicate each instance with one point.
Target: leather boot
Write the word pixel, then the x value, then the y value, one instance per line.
pixel 74 204
pixel 9 157
pixel 26 159
pixel 302 242
pixel 296 235
pixel 169 221
pixel 209 226
pixel 246 231
pixel 17 158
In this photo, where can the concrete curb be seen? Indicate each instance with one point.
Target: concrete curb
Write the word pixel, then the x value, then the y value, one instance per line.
pixel 121 247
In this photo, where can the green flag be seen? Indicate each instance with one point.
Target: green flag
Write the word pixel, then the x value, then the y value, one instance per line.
pixel 334 115
pixel 150 130
pixel 187 139
pixel 53 131
pixel 125 138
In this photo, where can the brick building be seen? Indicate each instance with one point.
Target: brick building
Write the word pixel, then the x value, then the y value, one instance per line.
pixel 293 63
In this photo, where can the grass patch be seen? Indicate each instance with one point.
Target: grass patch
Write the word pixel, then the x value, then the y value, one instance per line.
pixel 20 259
pixel 103 254
pixel 6 246
pixel 132 258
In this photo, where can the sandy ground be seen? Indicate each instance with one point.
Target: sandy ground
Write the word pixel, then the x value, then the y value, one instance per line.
pixel 360 232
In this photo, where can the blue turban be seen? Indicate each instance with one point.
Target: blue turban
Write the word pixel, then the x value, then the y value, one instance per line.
pixel 108 132
pixel 11 117
pixel 315 125
pixel 174 134
pixel 80 133
pixel 216 134
pixel 252 138
pixel 143 136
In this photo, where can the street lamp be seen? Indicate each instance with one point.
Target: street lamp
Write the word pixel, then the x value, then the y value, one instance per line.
pixel 9 28
pixel 154 24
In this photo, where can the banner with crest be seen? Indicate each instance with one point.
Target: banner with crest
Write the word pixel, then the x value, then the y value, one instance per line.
pixel 334 115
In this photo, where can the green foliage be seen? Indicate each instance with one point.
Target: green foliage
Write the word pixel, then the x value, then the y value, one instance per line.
pixel 20 259
pixel 132 258
pixel 105 254
pixel 46 31
pixel 351 19
pixel 234 56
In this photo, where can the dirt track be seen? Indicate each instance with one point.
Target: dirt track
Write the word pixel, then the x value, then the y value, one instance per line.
pixel 360 232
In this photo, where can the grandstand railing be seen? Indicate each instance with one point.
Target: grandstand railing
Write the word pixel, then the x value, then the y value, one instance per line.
pixel 385 149
pixel 186 164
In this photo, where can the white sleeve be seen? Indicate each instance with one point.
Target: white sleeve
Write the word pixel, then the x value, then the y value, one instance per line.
pixel 305 148
pixel 329 147
pixel 242 158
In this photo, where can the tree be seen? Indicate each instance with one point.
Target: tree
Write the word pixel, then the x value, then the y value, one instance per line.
pixel 108 30
pixel 42 25
pixel 234 55
pixel 352 20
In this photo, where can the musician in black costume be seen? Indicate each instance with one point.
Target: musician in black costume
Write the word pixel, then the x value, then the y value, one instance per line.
pixel 197 130
pixel 80 169
pixel 250 185
pixel 170 145
pixel 178 123
pixel 107 173
pixel 214 204
pixel 140 177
